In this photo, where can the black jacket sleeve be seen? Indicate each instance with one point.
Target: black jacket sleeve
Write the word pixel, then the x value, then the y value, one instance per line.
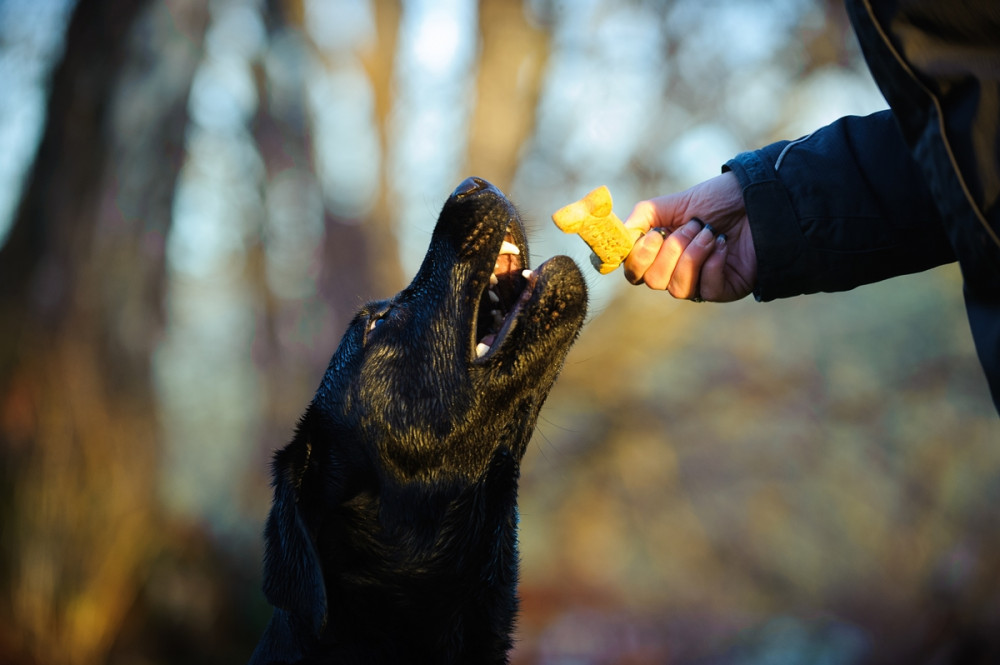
pixel 841 207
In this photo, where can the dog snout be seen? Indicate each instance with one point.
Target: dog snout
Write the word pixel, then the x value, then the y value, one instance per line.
pixel 471 186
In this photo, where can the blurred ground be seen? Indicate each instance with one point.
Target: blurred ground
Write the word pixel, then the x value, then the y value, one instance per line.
pixel 817 472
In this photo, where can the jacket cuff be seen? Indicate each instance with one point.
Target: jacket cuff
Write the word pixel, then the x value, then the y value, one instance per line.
pixel 777 237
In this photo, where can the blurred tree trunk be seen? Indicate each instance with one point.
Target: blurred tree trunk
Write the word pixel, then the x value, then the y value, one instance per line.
pixel 512 59
pixel 82 277
pixel 356 259
pixel 361 259
pixel 379 61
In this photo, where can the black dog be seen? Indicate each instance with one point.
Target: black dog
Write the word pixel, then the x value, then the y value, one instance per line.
pixel 392 537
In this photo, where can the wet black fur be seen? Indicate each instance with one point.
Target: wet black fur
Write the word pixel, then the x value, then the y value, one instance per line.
pixel 392 536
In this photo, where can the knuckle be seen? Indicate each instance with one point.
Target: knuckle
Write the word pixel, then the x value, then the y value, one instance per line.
pixel 655 280
pixel 655 285
pixel 678 291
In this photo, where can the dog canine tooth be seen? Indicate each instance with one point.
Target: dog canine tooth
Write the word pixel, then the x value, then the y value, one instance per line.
pixel 493 296
pixel 493 279
pixel 526 274
pixel 509 248
pixel 484 345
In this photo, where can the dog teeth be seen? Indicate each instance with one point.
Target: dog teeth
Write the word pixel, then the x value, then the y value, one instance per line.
pixel 497 317
pixel 526 274
pixel 509 248
pixel 493 279
pixel 493 296
pixel 481 349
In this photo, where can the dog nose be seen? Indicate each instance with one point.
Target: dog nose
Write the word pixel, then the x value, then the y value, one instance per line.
pixel 470 186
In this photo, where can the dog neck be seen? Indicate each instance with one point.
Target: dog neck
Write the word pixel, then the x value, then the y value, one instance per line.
pixel 453 602
pixel 404 596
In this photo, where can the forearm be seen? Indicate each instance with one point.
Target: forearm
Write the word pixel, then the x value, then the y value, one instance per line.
pixel 843 207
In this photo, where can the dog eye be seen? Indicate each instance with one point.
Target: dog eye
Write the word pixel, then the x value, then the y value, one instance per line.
pixel 376 315
pixel 376 319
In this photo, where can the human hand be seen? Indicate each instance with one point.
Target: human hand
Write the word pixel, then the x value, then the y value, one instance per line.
pixel 697 243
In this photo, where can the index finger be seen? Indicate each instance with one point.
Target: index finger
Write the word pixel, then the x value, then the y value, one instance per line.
pixel 643 253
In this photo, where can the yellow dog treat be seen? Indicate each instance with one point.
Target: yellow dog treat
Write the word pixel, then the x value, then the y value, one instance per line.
pixel 592 219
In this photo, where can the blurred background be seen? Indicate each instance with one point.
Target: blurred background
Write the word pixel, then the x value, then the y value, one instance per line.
pixel 195 195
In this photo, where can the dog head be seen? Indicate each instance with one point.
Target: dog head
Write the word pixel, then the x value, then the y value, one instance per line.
pixel 395 503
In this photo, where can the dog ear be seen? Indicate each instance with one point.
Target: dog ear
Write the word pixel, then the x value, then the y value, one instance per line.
pixel 293 577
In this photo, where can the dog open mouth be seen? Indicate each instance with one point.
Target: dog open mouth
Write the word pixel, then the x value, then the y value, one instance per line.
pixel 512 291
pixel 510 283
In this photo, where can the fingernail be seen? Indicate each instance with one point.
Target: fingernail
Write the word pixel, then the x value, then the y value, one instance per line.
pixel 720 240
pixel 704 237
pixel 692 228
pixel 709 228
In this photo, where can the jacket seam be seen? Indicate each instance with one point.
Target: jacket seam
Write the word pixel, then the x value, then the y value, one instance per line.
pixel 784 151
pixel 939 120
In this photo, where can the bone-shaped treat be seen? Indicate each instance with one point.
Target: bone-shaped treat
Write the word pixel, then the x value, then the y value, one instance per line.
pixel 592 219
